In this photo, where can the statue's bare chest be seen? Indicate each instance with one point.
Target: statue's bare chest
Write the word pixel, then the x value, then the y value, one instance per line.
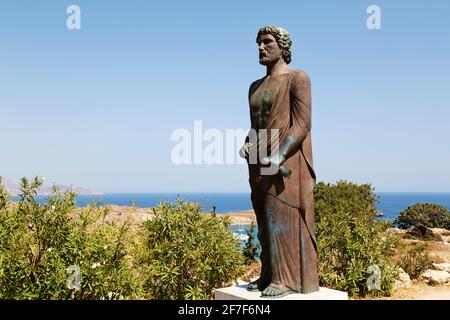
pixel 262 99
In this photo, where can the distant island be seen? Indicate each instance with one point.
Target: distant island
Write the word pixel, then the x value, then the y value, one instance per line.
pixel 14 190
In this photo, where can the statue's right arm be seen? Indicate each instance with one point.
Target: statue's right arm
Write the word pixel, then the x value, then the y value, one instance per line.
pixel 244 151
pixel 251 91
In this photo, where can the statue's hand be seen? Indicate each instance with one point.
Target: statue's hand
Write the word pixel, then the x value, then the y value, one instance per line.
pixel 276 160
pixel 245 150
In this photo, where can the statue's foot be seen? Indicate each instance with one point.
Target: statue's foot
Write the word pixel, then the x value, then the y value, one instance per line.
pixel 257 285
pixel 276 290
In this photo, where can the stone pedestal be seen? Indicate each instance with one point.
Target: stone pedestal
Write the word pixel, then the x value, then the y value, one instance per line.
pixel 241 293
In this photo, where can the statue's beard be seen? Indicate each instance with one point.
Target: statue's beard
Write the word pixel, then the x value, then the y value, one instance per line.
pixel 269 59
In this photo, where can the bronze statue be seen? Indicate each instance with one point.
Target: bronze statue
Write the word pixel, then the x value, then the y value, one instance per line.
pixel 283 202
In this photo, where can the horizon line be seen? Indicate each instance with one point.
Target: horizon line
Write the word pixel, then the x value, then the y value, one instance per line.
pixel 236 192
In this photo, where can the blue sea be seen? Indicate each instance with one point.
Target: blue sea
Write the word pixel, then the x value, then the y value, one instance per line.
pixel 390 204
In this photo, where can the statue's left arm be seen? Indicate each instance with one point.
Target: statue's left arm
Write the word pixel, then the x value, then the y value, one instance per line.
pixel 300 122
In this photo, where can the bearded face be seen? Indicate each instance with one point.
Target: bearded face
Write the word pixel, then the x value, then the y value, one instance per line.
pixel 269 51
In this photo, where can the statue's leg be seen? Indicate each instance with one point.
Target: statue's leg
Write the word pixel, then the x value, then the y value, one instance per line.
pixel 264 279
pixel 283 229
pixel 308 243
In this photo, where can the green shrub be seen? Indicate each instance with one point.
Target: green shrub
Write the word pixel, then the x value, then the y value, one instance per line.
pixel 250 251
pixel 413 258
pixel 188 253
pixel 44 247
pixel 425 214
pixel 351 242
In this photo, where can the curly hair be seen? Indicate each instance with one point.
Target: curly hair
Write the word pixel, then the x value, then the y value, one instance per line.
pixel 282 37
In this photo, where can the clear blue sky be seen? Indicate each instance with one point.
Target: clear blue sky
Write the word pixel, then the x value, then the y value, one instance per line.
pixel 96 107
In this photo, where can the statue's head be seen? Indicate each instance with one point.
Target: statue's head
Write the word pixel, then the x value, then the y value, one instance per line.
pixel 274 44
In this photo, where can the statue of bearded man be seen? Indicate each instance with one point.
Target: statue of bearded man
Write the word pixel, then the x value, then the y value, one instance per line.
pixel 283 201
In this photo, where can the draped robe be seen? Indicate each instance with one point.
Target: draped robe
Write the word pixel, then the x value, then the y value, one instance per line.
pixel 285 206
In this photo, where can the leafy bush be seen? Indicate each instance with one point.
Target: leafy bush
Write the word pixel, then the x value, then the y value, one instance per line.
pixel 43 249
pixel 188 253
pixel 250 251
pixel 351 242
pixel 413 258
pixel 425 214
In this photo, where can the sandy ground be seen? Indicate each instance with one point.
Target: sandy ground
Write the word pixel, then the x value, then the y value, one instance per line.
pixel 137 215
pixel 242 217
pixel 422 291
